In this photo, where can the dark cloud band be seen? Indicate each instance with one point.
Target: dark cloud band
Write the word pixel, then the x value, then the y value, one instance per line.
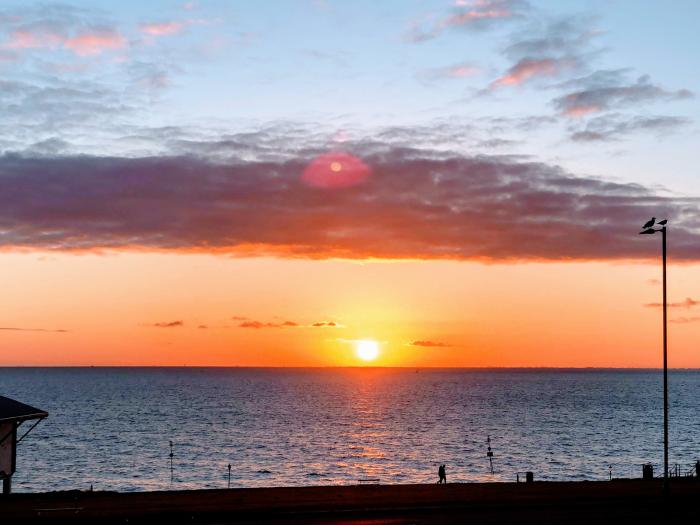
pixel 416 204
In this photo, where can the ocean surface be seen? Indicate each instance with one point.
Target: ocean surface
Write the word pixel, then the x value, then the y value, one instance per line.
pixel 111 427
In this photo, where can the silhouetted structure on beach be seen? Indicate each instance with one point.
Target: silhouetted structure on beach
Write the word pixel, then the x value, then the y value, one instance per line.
pixel 12 415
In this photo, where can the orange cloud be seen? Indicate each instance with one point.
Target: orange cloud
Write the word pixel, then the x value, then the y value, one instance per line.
pixel 169 324
pixel 688 303
pixel 251 323
pixel 429 344
pixel 15 329
pixel 259 324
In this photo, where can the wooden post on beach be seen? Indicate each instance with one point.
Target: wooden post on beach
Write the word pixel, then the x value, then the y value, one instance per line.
pixel 229 475
pixel 489 453
pixel 171 462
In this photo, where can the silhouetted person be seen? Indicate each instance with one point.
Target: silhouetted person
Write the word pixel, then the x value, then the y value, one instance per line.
pixel 442 475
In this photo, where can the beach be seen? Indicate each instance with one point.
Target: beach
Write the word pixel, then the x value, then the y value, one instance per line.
pixel 618 501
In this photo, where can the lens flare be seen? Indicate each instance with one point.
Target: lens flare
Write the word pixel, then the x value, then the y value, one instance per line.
pixel 336 169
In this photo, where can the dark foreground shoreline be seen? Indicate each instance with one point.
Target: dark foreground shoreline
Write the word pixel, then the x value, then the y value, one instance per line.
pixel 618 501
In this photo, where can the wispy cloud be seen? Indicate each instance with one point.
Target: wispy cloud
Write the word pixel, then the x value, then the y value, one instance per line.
pixel 168 324
pixel 546 49
pixel 260 324
pixel 251 323
pixel 15 329
pixel 428 344
pixel 596 95
pixel 685 320
pixel 528 68
pixel 455 71
pixel 83 42
pixel 688 303
pixel 157 29
pixel 469 15
pixel 615 127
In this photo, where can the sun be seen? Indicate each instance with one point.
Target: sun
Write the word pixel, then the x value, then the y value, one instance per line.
pixel 367 350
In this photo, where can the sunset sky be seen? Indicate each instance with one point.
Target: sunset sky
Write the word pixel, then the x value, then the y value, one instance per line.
pixel 269 183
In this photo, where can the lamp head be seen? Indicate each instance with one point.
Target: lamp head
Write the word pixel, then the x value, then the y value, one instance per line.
pixel 648 231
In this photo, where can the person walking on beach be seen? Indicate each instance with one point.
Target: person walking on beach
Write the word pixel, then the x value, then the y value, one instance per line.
pixel 442 474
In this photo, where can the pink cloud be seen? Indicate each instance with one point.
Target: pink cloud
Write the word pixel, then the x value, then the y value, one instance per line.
pixel 34 39
pixel 529 68
pixel 470 14
pixel 581 111
pixel 460 19
pixel 162 28
pixel 88 42
pixel 95 41
pixel 462 71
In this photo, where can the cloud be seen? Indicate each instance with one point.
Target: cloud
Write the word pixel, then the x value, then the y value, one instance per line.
pixel 168 324
pixel 560 37
pixel 547 48
pixel 156 29
pixel 685 320
pixel 14 329
pixel 480 14
pixel 461 70
pixel 95 41
pixel 83 42
pixel 260 324
pixel 429 344
pixel 470 15
pixel 250 323
pixel 527 69
pixel 598 95
pixel 326 324
pixel 614 127
pixel 688 303
pixel 418 203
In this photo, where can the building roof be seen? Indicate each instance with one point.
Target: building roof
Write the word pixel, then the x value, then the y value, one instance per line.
pixel 11 410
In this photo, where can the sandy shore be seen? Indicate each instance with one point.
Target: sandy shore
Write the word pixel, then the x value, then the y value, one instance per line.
pixel 623 501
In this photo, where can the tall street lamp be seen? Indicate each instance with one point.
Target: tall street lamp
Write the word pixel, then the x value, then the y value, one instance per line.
pixel 648 229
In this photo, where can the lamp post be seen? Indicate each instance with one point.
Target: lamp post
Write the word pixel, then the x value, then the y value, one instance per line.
pixel 648 229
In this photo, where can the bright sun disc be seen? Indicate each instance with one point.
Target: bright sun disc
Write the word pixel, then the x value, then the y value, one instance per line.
pixel 367 350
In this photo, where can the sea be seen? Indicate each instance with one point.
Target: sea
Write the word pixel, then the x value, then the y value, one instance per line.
pixel 112 428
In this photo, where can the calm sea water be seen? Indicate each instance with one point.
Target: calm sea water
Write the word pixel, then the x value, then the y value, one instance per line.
pixel 110 427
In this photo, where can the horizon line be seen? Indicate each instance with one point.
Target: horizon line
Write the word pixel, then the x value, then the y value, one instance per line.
pixel 364 367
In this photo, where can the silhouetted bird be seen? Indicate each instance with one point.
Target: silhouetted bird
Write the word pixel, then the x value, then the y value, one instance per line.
pixel 662 223
pixel 649 223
